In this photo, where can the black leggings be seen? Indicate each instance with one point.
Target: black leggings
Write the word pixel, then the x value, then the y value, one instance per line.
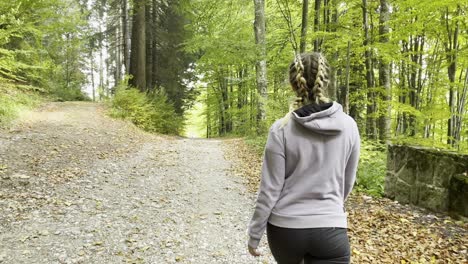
pixel 309 245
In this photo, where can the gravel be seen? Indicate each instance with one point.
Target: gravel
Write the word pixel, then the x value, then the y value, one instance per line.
pixel 78 187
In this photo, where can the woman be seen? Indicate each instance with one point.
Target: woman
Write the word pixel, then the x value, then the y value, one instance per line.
pixel 309 169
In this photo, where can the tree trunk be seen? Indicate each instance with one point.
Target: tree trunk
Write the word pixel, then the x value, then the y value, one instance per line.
pixel 125 35
pixel 261 65
pixel 149 46
pixel 138 52
pixel 154 45
pixel 384 74
pixel 346 94
pixel 91 57
pixel 101 66
pixel 451 48
pixel 317 41
pixel 305 14
pixel 370 119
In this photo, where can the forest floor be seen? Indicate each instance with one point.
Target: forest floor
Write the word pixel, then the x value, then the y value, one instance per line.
pixel 79 187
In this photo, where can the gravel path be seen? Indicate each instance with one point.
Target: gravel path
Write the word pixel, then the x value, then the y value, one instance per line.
pixel 79 187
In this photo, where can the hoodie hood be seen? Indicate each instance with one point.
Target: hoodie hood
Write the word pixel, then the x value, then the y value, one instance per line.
pixel 321 118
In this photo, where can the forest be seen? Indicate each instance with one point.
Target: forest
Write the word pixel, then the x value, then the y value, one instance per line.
pixel 399 68
pixel 100 101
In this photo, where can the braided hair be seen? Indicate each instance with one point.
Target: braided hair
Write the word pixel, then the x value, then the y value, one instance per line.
pixel 308 75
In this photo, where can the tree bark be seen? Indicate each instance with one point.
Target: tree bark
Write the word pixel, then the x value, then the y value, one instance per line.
pixel 384 74
pixel 149 46
pixel 138 52
pixel 125 35
pixel 261 65
pixel 154 43
pixel 370 119
pixel 305 14
pixel 317 42
pixel 346 95
pixel 451 49
pixel 91 59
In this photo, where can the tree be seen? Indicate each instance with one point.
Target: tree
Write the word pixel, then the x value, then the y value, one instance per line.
pixel 261 65
pixel 138 46
pixel 305 15
pixel 370 124
pixel 384 74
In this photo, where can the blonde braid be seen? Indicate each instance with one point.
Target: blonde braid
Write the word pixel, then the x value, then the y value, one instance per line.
pixel 320 81
pixel 303 94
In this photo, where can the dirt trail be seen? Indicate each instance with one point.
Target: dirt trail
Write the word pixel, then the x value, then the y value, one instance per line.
pixel 79 187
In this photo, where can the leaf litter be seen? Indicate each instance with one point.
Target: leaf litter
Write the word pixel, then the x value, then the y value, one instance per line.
pixel 380 230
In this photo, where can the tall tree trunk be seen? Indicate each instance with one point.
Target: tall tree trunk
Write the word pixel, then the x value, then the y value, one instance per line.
pixel 461 103
pixel 346 94
pixel 149 46
pixel 317 41
pixel 154 45
pixel 384 74
pixel 331 20
pixel 125 35
pixel 305 15
pixel 101 66
pixel 451 49
pixel 118 54
pixel 92 71
pixel 138 52
pixel 261 65
pixel 370 123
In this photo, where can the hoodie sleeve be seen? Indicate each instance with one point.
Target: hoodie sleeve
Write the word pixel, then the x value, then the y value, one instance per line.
pixel 273 176
pixel 352 164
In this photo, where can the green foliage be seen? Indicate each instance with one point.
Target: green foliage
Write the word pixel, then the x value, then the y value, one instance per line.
pixel 152 112
pixel 257 143
pixel 38 47
pixel 372 168
pixel 14 99
pixel 60 94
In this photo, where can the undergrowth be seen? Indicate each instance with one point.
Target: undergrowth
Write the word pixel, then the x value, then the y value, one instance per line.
pixel 152 112
pixel 372 164
pixel 16 98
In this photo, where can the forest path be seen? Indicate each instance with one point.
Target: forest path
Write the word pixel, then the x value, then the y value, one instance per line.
pixel 79 187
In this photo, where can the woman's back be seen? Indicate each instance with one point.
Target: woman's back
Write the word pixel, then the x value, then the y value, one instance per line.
pixel 317 145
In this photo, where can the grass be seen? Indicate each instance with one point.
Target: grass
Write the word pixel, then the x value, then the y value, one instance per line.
pixel 14 99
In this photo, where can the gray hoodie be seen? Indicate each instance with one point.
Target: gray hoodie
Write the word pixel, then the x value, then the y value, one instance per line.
pixel 309 168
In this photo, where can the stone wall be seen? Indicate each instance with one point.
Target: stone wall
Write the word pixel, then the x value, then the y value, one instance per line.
pixel 428 178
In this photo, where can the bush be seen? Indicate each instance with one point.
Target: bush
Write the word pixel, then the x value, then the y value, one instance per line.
pixel 372 168
pixel 13 99
pixel 257 143
pixel 8 110
pixel 73 94
pixel 152 112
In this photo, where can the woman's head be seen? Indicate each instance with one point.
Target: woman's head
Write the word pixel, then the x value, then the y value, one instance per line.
pixel 308 75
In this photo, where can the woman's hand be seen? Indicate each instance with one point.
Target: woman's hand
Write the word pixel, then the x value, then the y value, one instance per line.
pixel 254 252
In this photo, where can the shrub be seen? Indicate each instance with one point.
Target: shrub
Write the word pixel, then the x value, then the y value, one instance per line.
pixel 7 110
pixel 14 98
pixel 72 94
pixel 372 168
pixel 152 112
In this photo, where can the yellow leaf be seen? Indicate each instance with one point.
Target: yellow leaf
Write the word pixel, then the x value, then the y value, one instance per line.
pixel 355 251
